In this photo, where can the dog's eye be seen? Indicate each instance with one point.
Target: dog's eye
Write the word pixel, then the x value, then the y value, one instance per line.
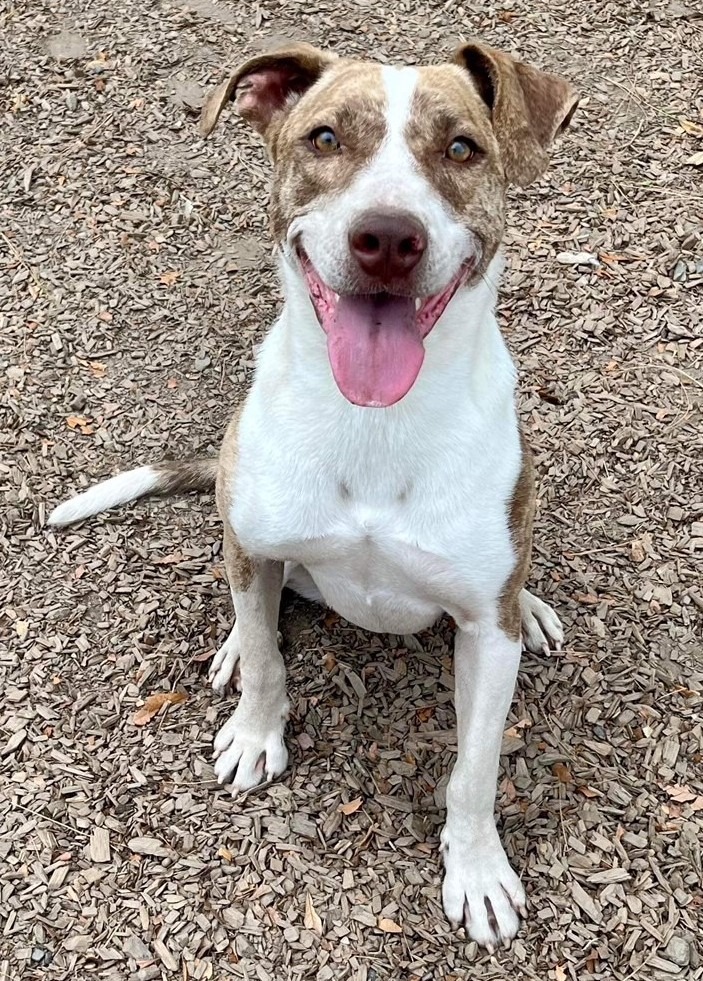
pixel 461 150
pixel 324 140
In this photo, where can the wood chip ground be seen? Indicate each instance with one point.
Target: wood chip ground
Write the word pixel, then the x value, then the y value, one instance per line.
pixel 135 280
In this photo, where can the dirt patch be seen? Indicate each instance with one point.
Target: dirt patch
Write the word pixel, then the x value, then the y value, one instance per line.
pixel 135 279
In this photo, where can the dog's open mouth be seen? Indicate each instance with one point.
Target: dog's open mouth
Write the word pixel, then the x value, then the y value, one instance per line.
pixel 375 341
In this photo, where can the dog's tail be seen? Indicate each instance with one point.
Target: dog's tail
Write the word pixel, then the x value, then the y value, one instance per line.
pixel 166 477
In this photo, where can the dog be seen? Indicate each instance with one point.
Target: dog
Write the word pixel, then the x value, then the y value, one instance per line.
pixel 377 464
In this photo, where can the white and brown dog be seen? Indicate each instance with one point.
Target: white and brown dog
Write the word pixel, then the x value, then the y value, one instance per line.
pixel 377 464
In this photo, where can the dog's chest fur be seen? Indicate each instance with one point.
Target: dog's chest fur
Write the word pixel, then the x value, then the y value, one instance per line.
pixel 397 514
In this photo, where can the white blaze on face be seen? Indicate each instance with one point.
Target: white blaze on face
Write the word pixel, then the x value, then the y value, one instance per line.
pixel 390 181
pixel 375 342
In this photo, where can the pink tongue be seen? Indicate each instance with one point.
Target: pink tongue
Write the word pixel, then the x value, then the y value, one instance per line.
pixel 374 346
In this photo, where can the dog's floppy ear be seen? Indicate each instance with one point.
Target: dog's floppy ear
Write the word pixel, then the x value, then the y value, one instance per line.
pixel 266 85
pixel 528 108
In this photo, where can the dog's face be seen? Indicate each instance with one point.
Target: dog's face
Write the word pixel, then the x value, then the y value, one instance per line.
pixel 389 188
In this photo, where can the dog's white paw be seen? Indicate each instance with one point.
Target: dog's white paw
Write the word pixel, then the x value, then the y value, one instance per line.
pixel 480 890
pixel 249 748
pixel 224 664
pixel 541 627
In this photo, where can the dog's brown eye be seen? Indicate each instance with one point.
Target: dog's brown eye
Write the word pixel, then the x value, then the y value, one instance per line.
pixel 324 140
pixel 461 150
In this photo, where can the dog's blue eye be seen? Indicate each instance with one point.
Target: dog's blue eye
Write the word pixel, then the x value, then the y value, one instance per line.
pixel 461 150
pixel 324 140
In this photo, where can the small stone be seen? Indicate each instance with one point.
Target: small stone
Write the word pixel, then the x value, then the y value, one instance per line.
pixel 149 973
pixel 678 950
pixel 66 46
pixel 149 846
pixel 41 956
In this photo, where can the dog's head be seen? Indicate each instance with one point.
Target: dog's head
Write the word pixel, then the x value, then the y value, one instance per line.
pixel 389 187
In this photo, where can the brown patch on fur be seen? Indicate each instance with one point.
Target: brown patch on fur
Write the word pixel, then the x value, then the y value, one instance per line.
pixel 520 521
pixel 288 93
pixel 239 566
pixel 350 100
pixel 528 108
pixel 181 476
pixel 446 105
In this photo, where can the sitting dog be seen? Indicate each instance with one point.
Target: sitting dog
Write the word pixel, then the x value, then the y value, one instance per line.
pixel 377 464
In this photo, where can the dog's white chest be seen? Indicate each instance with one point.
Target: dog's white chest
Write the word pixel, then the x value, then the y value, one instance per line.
pixel 392 561
pixel 397 514
pixel 370 568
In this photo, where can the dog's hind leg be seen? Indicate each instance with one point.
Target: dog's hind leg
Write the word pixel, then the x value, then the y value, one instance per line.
pixel 297 578
pixel 541 627
pixel 249 747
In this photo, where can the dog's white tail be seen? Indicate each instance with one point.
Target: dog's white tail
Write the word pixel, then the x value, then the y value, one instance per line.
pixel 167 477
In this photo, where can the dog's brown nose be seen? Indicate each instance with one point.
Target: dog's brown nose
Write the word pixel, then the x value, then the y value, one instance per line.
pixel 387 246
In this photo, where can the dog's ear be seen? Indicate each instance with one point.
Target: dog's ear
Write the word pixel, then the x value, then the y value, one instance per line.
pixel 528 108
pixel 267 85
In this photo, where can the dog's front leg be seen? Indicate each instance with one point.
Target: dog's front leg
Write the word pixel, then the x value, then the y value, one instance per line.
pixel 250 747
pixel 480 889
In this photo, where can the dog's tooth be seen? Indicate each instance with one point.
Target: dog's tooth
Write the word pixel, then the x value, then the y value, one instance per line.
pixel 418 303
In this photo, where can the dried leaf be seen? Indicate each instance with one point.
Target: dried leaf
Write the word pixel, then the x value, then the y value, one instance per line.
pixel 562 773
pixel 559 973
pixel 352 807
pixel 97 368
pixel 170 277
pixel 154 704
pixel 81 423
pixel 508 788
pixel 589 792
pixel 637 552
pixel 587 599
pixel 22 628
pixel 389 926
pixel 696 160
pixel 173 559
pixel 311 920
pixel 205 656
pixel 305 741
pixel 680 793
pixel 226 854
pixel 514 731
pixel 694 129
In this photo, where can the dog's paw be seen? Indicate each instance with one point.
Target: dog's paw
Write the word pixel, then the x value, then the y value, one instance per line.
pixel 249 748
pixel 225 664
pixel 480 890
pixel 541 627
